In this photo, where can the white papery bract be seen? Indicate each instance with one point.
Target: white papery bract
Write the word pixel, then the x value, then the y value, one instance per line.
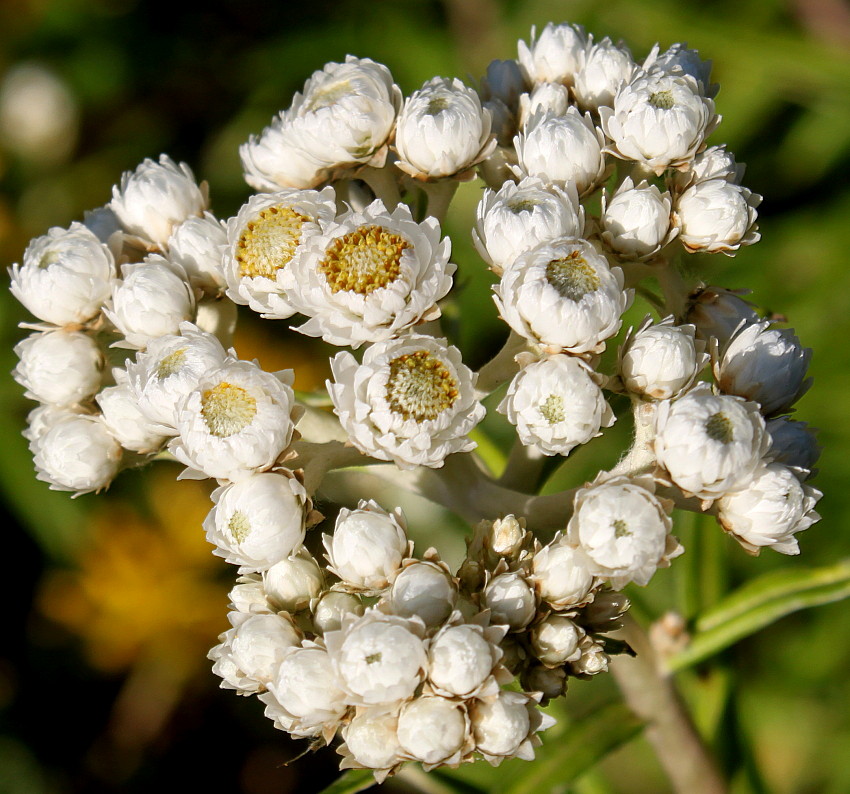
pixel 553 57
pixel 262 239
pixel 636 221
pixel 794 444
pixel 66 276
pixel 556 405
pixel 371 741
pixel 462 659
pixel 156 197
pixel 510 600
pixel 563 296
pixel 718 312
pixel 624 529
pixel 257 521
pixel 545 99
pixel 561 574
pixel 274 160
pixel 679 60
pixel 715 162
pixel 519 217
pixel 432 730
pixel 44 417
pixel 369 276
pixel 563 150
pixel 152 299
pixel 442 130
pixel 197 245
pixel 605 66
pixel 76 453
pixel 411 401
pixel 334 608
pixel 505 726
pixel 59 367
pixel 661 360
pixel 774 507
pixel 555 640
pixel 168 369
pixel 237 421
pixel 710 444
pixel 125 421
pixel 291 584
pixel 423 588
pixel 717 215
pixel 367 546
pixel 764 364
pixel 658 119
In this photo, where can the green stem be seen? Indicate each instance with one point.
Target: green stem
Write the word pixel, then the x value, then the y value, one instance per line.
pixel 440 195
pixel 383 183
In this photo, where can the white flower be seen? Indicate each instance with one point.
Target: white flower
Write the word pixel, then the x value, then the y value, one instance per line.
pixel 503 81
pixel 371 740
pixel 369 276
pixel 156 197
pixel 44 417
pixel 773 508
pixel 593 659
pixel 333 609
pixel 712 163
pixel 237 421
pixel 367 546
pixel 66 276
pixel 197 245
pixel 262 239
pixel 624 529
pixel 151 300
pixel 125 420
pixel 504 726
pixel 564 296
pixel 248 595
pixel 710 444
pixel 462 659
pixel 171 366
pixel 275 160
pixel 555 640
pixel 717 215
pixel 661 360
pixel 291 584
pixel 555 56
pixel 510 600
pixel 76 453
pixel 717 312
pixel 432 730
pixel 442 130
pixel 636 221
pixel 258 521
pixel 556 405
pixel 550 682
pixel 605 66
pixel 59 367
pixel 764 364
pixel 425 589
pixel 563 150
pixel 546 99
pixel 658 119
pixel 679 60
pixel 793 443
pixel 519 217
pixel 561 575
pixel 411 401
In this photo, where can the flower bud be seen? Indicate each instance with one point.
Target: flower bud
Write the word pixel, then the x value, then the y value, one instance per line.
pixel 717 215
pixel 333 608
pixel 561 575
pixel 793 443
pixel 460 660
pixel 372 740
pixel 125 421
pixel 510 601
pixel 292 583
pixel 554 56
pixel 555 640
pixel 593 659
pixel 717 312
pixel 197 246
pixel 432 729
pixel 636 222
pixel 605 66
pixel 546 98
pixel 424 589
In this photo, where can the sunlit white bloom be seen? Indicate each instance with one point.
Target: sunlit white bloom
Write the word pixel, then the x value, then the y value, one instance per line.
pixel 717 312
pixel 462 659
pixel 44 417
pixel 545 98
pixel 411 401
pixel 334 608
pixel 442 130
pixel 248 595
pixel 510 600
pixel 564 149
pixel 715 162
pixel 59 367
pixel 156 197
pixel 66 276
pixel 371 740
pixel 505 726
pixel 274 160
pixel 717 215
pixel 679 60
pixel 237 421
pixel 369 276
pixel 556 405
pixel 555 640
pixel 794 444
pixel 764 364
pixel 709 444
pixel 291 584
pixel 125 420
pixel 519 217
pixel 636 221
pixel 554 56
pixel 432 730
pixel 197 245
pixel 771 511
pixel 423 588
pixel 258 521
pixel 152 298
pixel 563 296
pixel 605 66
pixel 561 575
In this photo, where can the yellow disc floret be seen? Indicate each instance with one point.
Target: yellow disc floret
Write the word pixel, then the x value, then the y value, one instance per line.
pixel 227 409
pixel 268 242
pixel 420 386
pixel 572 277
pixel 363 260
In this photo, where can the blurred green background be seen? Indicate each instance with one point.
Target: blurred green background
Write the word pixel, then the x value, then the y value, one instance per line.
pixel 114 600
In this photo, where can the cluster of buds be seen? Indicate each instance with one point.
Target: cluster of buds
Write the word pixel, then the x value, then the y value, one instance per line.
pixel 401 658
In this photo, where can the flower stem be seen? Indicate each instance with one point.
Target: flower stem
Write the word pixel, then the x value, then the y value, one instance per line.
pixel 440 195
pixel 501 367
pixel 383 183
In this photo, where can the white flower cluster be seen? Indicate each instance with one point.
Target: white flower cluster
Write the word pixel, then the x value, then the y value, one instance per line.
pixel 598 179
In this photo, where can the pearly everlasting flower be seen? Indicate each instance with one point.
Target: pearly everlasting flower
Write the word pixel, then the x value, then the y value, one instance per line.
pixel 59 367
pixel 556 405
pixel 334 608
pixel 593 659
pixel 658 119
pixel 368 546
pixel 432 730
pixel 624 529
pixel 561 574
pixel 266 234
pixel 503 81
pixel 152 299
pixel 292 583
pixel 679 60
pixel 156 197
pixel 710 444
pixel 771 511
pixel 462 659
pixel 442 130
pixel 237 421
pixel 76 453
pixel 66 276
pixel 715 162
pixel 510 600
pixel 125 421
pixel 104 224
pixel 545 99
pixel 636 221
pixel 248 595
pixel 423 588
pixel 371 741
pixel 717 215
pixel 519 217
pixel 369 276
pixel 168 369
pixel 550 682
pixel 718 312
pixel 764 364
pixel 197 245
pixel 794 444
pixel 504 726
pixel 555 56
pixel 257 521
pixel 44 417
pixel 563 150
pixel 662 360
pixel 555 640
pixel 563 296
pixel 605 66
pixel 411 401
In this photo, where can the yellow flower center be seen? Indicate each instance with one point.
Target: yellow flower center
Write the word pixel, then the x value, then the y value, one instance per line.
pixel 363 260
pixel 719 427
pixel 572 277
pixel 662 100
pixel 268 242
pixel 171 363
pixel 621 528
pixel 239 526
pixel 552 409
pixel 227 409
pixel 420 386
pixel 329 94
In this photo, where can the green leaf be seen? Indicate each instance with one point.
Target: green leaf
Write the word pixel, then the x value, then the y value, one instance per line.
pixel 351 782
pixel 760 603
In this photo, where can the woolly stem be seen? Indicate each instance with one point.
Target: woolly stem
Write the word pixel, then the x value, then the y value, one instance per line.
pixel 383 183
pixel 502 367
pixel 524 467
pixel 440 195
